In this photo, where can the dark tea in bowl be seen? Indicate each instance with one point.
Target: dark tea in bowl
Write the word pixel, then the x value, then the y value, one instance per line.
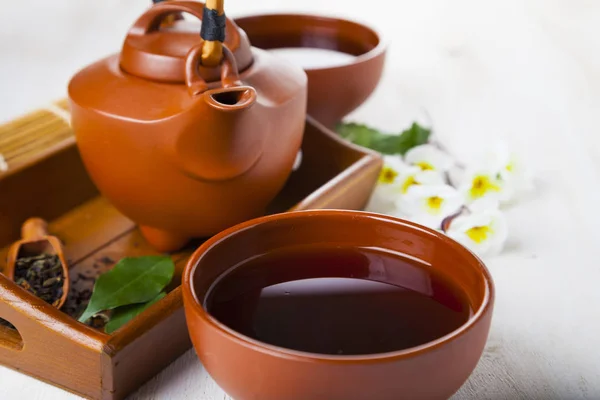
pixel 330 304
pixel 307 298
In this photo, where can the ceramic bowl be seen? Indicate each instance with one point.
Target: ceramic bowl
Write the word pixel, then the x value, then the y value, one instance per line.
pixel 248 369
pixel 335 91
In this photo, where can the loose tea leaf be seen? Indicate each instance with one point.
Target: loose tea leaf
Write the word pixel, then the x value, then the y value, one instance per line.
pixel 41 275
pixel 365 136
pixel 132 280
pixel 124 314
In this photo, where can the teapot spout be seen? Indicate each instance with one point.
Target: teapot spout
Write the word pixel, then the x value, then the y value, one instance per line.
pixel 233 99
pixel 225 140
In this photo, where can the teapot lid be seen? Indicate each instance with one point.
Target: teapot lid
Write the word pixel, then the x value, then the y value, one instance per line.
pixel 160 54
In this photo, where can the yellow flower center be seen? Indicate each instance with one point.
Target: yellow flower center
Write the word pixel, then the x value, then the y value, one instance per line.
pixel 408 182
pixel 425 166
pixel 510 167
pixel 481 185
pixel 387 175
pixel 479 233
pixel 434 204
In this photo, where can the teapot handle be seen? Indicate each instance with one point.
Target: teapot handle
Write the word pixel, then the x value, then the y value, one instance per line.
pixel 194 81
pixel 151 21
pixel 213 32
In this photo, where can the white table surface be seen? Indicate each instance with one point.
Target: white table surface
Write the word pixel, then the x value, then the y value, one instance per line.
pixel 523 70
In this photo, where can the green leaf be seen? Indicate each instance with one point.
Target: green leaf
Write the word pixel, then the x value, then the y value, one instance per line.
pixel 133 280
pixel 359 134
pixel 123 315
pixel 365 136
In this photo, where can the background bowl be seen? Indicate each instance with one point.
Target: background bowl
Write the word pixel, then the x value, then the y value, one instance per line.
pixel 248 369
pixel 335 91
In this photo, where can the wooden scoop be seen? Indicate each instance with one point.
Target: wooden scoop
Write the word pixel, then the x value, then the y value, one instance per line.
pixel 36 241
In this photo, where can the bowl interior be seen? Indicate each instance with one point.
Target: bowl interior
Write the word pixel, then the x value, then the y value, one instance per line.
pixel 346 228
pixel 288 31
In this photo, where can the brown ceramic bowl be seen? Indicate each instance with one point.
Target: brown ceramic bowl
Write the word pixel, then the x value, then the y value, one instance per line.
pixel 333 92
pixel 248 369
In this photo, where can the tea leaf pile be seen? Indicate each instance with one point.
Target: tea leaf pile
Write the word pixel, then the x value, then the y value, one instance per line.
pixel 41 275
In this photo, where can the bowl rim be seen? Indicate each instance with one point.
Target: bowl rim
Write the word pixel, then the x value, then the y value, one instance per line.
pixel 375 52
pixel 196 305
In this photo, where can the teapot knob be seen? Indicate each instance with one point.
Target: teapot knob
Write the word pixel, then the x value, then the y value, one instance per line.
pixel 151 51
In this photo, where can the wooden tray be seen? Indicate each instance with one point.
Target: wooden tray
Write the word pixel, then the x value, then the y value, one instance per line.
pixel 46 178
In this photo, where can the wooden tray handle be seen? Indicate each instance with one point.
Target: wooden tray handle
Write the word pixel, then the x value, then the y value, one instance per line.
pixel 11 340
pixel 44 333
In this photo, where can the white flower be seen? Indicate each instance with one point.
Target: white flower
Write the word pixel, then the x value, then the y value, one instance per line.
pixel 390 172
pixel 429 204
pixel 483 182
pixel 500 174
pixel 383 196
pixel 511 171
pixel 3 164
pixel 482 231
pixel 428 158
pixel 411 176
pixel 395 178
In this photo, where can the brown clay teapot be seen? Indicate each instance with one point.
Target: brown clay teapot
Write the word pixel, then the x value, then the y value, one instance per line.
pixel 183 148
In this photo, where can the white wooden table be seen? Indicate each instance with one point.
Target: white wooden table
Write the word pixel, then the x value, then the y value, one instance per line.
pixel 524 70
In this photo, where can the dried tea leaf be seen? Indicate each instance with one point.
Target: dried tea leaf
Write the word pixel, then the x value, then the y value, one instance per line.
pixel 365 136
pixel 132 280
pixel 124 314
pixel 41 275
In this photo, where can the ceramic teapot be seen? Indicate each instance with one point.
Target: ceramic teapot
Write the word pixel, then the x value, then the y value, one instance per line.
pixel 183 148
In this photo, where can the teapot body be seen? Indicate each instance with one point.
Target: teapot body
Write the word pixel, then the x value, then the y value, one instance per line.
pixel 183 165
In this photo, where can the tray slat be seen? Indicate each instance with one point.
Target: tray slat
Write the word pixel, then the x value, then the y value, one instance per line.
pixel 84 229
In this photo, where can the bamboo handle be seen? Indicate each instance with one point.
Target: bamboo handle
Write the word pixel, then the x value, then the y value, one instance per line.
pixel 212 50
pixel 34 228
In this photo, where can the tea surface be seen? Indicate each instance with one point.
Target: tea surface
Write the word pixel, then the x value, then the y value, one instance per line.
pixel 340 301
pixel 306 57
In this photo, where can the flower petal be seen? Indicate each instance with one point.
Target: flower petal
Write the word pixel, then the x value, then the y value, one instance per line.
pixel 480 183
pixel 415 176
pixel 491 202
pixel 429 158
pixel 509 169
pixel 382 200
pixel 393 166
pixel 480 249
pixel 429 204
pixel 483 232
pixel 500 227
pixel 395 162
